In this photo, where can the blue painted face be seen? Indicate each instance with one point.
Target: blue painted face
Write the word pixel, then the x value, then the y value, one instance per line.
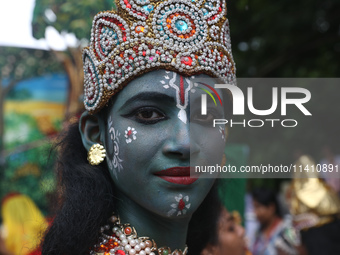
pixel 149 147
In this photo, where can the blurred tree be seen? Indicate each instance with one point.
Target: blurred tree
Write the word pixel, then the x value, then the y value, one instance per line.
pixel 285 38
pixel 69 16
pixel 17 64
pixel 19 94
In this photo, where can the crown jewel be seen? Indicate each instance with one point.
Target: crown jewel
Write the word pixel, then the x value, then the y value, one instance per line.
pixel 185 36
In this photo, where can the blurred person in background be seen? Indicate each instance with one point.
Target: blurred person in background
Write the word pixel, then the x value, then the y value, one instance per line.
pixel 23 225
pixel 268 214
pixel 230 236
pixel 332 176
pixel 217 232
pixel 288 241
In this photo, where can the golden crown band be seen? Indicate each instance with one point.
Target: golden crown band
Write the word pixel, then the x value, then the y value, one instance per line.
pixel 187 36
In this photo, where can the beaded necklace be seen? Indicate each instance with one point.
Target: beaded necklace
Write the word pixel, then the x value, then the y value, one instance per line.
pixel 122 239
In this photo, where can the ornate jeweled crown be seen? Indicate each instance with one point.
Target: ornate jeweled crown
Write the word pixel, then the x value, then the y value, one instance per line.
pixel 185 36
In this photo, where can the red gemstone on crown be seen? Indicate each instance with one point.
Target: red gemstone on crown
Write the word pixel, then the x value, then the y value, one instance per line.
pixel 186 60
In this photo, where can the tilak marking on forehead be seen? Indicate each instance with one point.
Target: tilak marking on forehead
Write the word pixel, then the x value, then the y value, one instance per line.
pixel 182 93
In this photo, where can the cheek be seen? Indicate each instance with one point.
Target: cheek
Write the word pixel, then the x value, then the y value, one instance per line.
pixel 113 148
pixel 131 149
pixel 211 142
pixel 139 147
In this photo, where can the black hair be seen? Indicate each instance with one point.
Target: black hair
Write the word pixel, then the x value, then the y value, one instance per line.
pixel 267 197
pixel 322 240
pixel 203 227
pixel 86 199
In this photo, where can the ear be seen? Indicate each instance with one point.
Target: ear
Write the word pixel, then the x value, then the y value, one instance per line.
pixel 91 128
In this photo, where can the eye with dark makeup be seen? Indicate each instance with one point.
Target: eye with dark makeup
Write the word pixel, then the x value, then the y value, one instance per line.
pixel 146 115
pixel 207 119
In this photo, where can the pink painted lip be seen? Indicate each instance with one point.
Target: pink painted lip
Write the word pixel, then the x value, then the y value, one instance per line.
pixel 178 175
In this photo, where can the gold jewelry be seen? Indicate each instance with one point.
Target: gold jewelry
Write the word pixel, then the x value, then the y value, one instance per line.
pixel 96 154
pixel 122 239
pixel 312 202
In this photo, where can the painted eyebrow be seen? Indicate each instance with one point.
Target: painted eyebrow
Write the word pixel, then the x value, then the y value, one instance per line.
pixel 149 96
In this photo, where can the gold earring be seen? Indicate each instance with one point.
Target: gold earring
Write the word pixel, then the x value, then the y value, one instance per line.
pixel 96 154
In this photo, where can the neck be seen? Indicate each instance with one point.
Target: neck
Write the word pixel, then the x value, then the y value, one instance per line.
pixel 271 224
pixel 164 231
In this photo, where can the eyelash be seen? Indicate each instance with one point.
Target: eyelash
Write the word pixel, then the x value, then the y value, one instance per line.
pixel 134 115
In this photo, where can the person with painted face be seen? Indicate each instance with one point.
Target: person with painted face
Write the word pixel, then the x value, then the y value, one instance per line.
pixel 125 167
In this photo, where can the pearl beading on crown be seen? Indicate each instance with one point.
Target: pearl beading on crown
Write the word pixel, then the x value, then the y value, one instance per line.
pixel 185 36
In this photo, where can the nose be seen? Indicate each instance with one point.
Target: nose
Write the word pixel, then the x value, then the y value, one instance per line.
pixel 177 143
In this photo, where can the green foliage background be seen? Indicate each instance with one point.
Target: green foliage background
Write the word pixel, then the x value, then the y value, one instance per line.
pixel 71 16
pixel 285 38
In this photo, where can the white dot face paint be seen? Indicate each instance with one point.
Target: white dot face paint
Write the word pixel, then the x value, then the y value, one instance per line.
pixel 130 134
pixel 114 160
pixel 180 206
pixel 182 91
